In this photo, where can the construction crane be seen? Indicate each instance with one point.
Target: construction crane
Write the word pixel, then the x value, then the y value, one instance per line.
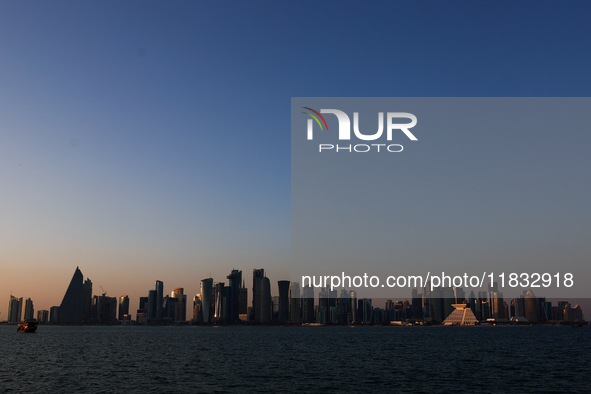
pixel 104 292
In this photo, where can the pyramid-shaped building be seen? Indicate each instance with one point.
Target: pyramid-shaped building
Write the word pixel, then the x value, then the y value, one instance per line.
pixel 72 306
pixel 461 316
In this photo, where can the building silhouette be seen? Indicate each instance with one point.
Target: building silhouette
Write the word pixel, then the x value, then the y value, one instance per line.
pixel 197 309
pixel 219 301
pixel 233 296
pixel 531 307
pixel 257 277
pixel 159 299
pixel 54 315
pixel 243 302
pixel 152 305
pixel 14 309
pixel 43 316
pixel 308 315
pixel 353 306
pixel 266 305
pixel 123 307
pixel 87 300
pixel 72 306
pixel 28 309
pixel 104 309
pixel 180 312
pixel 261 296
pixel 295 303
pixel 206 292
pixel 283 300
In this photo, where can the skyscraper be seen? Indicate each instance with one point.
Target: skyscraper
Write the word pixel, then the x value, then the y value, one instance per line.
pixel 243 302
pixel 104 309
pixel 206 290
pixel 233 298
pixel 181 305
pixel 197 309
pixel 323 306
pixel 265 316
pixel 308 305
pixel 295 303
pixel 28 309
pixel 87 299
pixel 72 306
pixel 283 300
pixel 14 306
pixel 152 305
pixel 218 315
pixel 123 306
pixel 159 299
pixel 257 277
pixel 43 316
pixel 54 314
pixel 353 303
pixel 531 307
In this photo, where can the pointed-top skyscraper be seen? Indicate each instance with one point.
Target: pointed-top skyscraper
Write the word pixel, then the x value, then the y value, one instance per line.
pixel 72 306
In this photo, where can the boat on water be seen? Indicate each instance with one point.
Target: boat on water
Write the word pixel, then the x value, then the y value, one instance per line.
pixel 27 326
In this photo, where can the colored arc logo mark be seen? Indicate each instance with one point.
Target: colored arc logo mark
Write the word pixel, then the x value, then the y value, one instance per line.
pixel 315 118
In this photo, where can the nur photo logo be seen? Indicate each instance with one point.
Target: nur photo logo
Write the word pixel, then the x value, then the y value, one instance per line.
pixel 344 131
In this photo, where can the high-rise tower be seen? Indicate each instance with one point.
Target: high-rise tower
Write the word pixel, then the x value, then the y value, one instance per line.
pixel 206 290
pixel 295 303
pixel 283 300
pixel 123 307
pixel 72 306
pixel 159 299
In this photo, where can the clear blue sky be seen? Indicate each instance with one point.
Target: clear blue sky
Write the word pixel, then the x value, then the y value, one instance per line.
pixel 145 141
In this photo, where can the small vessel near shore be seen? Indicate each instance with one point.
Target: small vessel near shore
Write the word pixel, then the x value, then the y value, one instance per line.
pixel 29 326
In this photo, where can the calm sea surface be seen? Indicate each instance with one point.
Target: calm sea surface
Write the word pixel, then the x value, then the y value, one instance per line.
pixel 308 359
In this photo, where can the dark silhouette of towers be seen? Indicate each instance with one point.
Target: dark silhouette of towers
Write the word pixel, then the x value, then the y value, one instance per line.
pixel 295 303
pixel 257 276
pixel 152 305
pixel 180 305
pixel 243 302
pixel 323 306
pixel 123 307
pixel 233 296
pixel 219 302
pixel 72 306
pixel 308 305
pixel 206 291
pixel 14 309
pixel 353 303
pixel 283 300
pixel 261 299
pixel 104 309
pixel 159 299
pixel 87 296
pixel 266 300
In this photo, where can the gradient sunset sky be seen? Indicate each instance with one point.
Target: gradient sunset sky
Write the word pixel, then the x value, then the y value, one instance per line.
pixel 144 140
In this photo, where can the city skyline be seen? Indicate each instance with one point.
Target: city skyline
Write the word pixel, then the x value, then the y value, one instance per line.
pixel 153 141
pixel 228 304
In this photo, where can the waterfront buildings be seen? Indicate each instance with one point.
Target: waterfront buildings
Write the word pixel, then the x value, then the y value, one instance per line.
pixel 123 307
pixel 206 299
pixel 15 309
pixel 28 309
pixel 283 286
pixel 219 303
pixel 43 316
pixel 295 303
pixel 72 306
pixel 261 299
